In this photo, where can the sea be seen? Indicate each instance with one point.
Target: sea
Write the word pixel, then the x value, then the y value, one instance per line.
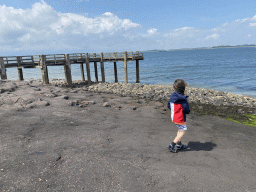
pixel 225 69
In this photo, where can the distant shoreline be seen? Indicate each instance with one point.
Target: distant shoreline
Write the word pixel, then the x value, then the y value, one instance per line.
pixel 214 47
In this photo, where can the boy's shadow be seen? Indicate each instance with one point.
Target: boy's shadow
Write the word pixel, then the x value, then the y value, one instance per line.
pixel 197 146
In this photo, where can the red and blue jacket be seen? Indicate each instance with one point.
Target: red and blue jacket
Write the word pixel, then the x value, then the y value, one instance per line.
pixel 178 104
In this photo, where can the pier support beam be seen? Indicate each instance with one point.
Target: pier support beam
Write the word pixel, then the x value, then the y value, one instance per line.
pixel 102 67
pixel 96 72
pixel 95 69
pixel 67 69
pixel 137 72
pixel 82 69
pixel 44 70
pixel 115 71
pixel 125 68
pixel 88 68
pixel 137 69
pixel 2 69
pixel 20 74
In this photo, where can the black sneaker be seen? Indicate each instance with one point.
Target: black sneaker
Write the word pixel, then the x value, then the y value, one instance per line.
pixel 182 146
pixel 172 149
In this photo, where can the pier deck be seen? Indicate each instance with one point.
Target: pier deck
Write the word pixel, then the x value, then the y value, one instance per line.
pixel 42 61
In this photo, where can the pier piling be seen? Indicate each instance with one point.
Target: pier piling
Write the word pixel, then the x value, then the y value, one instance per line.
pixel 44 71
pixel 20 74
pixel 137 69
pixel 115 71
pixel 2 69
pixel 125 68
pixel 67 70
pixel 102 67
pixel 95 69
pixel 88 68
pixel 82 69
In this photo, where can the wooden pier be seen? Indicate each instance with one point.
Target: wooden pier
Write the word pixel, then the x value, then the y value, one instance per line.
pixel 42 61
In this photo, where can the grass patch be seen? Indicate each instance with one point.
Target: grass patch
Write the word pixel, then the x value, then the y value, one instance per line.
pixel 251 120
pixel 230 119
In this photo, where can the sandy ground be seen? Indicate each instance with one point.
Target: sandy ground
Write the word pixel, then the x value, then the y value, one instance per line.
pixel 58 139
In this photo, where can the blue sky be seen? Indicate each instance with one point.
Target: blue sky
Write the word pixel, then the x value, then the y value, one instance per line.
pixel 64 26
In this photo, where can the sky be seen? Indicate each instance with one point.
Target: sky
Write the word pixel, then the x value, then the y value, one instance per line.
pixel 33 27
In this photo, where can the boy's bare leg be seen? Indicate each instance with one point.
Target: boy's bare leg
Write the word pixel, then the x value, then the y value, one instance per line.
pixel 177 135
pixel 180 134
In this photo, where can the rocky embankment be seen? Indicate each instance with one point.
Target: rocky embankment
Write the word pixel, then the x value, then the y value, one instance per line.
pixel 162 92
pixel 202 101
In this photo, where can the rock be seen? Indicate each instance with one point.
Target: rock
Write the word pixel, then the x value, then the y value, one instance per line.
pixel 234 103
pixel 240 111
pixel 149 95
pixel 37 104
pixel 63 97
pixel 89 102
pixel 109 91
pixel 8 87
pixel 37 89
pixel 49 95
pixel 106 104
pixel 73 103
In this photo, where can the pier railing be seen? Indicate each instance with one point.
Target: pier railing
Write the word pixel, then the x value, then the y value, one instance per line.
pixel 42 61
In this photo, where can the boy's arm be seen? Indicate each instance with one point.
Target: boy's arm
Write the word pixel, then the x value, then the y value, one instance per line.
pixel 168 105
pixel 185 107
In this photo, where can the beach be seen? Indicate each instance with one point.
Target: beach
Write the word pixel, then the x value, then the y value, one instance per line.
pixel 114 137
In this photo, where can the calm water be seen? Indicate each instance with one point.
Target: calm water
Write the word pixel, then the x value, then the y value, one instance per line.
pixel 229 70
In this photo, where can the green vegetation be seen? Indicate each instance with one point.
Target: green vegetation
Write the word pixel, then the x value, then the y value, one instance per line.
pixel 251 120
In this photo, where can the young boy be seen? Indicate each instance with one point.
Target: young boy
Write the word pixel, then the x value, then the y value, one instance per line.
pixel 179 107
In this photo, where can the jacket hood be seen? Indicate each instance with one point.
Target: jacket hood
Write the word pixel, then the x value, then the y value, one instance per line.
pixel 177 97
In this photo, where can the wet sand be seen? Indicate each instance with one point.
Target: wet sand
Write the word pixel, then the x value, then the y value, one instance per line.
pixel 60 139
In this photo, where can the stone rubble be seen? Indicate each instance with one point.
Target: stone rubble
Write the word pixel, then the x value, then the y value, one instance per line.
pixel 199 96
pixel 163 92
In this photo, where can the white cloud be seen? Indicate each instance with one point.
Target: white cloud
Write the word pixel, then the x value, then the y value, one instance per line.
pixel 213 36
pixel 152 31
pixel 43 30
pixel 41 26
